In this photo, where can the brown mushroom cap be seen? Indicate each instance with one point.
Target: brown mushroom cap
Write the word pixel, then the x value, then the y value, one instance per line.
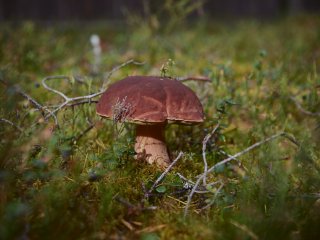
pixel 151 100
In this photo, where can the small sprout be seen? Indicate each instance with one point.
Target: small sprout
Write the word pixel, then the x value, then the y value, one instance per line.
pixel 167 68
pixel 222 105
pixel 263 53
pixel 258 65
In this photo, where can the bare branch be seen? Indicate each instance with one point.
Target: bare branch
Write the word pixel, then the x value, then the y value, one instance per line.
pixel 246 150
pixel 133 207
pixel 67 99
pixel 50 113
pixel 11 123
pixel 298 105
pixel 201 79
pixel 185 179
pixel 73 101
pixel 204 147
pixel 36 104
pixel 124 202
pixel 31 100
pixel 77 138
pixel 238 161
pixel 89 101
pixel 291 139
pixel 193 190
pixel 202 176
pixel 155 184
pixel 245 229
pixel 108 74
pixel 214 197
pixel 54 90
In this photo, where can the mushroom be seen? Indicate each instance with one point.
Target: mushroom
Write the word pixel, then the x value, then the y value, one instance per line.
pixel 151 103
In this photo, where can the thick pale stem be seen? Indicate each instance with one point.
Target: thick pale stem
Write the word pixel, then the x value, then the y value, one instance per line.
pixel 150 144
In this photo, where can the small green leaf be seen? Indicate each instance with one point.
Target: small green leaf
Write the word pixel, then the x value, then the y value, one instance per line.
pixel 258 65
pixel 150 236
pixel 230 102
pixel 263 53
pixel 220 168
pixel 222 138
pixel 161 189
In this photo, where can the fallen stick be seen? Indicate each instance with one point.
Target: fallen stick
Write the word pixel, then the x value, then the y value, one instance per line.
pixel 225 161
pixel 204 147
pixel 72 101
pixel 164 174
pixel 11 123
pixel 201 79
pixel 298 105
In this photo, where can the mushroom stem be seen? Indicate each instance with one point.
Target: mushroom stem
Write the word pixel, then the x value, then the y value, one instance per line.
pixel 150 144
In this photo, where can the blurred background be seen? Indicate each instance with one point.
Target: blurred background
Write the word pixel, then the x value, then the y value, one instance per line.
pixel 61 10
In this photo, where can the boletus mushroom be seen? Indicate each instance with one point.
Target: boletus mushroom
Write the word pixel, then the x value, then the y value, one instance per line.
pixel 151 103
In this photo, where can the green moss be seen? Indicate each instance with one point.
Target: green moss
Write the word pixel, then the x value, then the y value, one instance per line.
pixel 59 185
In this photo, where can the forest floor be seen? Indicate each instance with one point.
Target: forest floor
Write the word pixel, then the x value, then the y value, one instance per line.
pixel 80 180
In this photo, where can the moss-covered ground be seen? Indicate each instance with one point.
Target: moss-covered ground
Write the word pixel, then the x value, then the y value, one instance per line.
pixel 68 183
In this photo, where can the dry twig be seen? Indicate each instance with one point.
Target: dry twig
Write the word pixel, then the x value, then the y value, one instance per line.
pixel 214 197
pixel 11 123
pixel 155 184
pixel 201 79
pixel 67 99
pixel 72 101
pixel 89 101
pixel 134 208
pixel 36 104
pixel 202 176
pixel 298 105
pixel 245 229
pixel 108 74
pixel 246 150
pixel 204 147
pixel 85 131
pixel 186 180
pixel 31 100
